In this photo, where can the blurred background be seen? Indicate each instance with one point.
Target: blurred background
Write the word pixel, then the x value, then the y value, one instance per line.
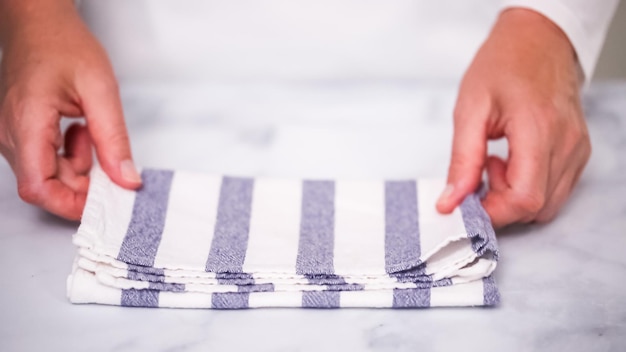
pixel 612 62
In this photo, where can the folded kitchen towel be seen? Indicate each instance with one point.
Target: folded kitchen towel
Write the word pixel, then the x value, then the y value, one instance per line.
pixel 190 240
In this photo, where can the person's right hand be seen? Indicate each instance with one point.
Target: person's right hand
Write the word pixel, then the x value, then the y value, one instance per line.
pixel 51 67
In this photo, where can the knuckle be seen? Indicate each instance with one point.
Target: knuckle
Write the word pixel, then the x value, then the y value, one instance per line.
pixel 112 85
pixel 29 192
pixel 549 111
pixel 586 151
pixel 463 113
pixel 14 127
pixel 529 202
pixel 118 138
pixel 580 150
pixel 578 144
pixel 547 215
pixel 102 83
pixel 459 114
pixel 114 143
pixel 578 135
pixel 544 218
pixel 6 138
pixel 25 103
pixel 549 120
pixel 462 161
pixel 545 115
pixel 465 108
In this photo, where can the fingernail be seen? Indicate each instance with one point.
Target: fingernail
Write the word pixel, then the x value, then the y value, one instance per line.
pixel 446 194
pixel 129 172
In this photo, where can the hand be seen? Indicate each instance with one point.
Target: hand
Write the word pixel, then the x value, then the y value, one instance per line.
pixel 53 67
pixel 522 85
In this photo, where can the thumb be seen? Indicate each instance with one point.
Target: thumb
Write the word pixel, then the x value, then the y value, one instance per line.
pixel 105 121
pixel 469 147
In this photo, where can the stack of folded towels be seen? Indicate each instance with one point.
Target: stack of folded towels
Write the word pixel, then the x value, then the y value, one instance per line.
pixel 188 240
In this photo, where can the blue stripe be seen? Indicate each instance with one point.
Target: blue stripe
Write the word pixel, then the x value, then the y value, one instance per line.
pixel 166 286
pixel 256 288
pixel 144 232
pixel 240 279
pixel 491 296
pixel 139 276
pixel 230 300
pixel 402 235
pixel 320 299
pixel 230 240
pixel 478 226
pixel 145 270
pixel 411 298
pixel 317 226
pixel 140 298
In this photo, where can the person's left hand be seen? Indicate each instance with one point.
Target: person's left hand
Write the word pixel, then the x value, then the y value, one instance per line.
pixel 522 85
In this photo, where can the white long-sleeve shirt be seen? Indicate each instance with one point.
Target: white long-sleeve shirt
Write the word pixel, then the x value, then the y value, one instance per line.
pixel 322 39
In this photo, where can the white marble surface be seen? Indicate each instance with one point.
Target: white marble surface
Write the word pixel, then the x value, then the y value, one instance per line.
pixel 563 284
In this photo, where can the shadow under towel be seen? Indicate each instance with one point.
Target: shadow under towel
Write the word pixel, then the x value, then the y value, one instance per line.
pixel 188 240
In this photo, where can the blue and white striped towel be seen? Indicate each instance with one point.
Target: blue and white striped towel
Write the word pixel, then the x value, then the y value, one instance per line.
pixel 191 240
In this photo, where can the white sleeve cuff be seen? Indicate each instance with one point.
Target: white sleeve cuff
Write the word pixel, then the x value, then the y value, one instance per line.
pixel 585 22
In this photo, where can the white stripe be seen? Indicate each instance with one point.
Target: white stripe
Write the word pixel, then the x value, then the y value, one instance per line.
pixel 359 227
pixel 106 216
pixel 274 226
pixel 188 274
pixel 185 300
pixel 121 283
pixel 469 294
pixel 274 299
pixel 190 222
pixel 101 258
pixel 208 288
pixel 435 228
pixel 370 299
pixel 83 287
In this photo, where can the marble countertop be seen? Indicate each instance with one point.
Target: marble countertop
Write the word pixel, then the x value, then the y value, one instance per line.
pixel 563 284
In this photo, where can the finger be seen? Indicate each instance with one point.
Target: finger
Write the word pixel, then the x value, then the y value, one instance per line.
pixel 469 148
pixel 61 200
pixel 63 194
pixel 566 167
pixel 527 174
pixel 499 212
pixel 37 168
pixel 107 128
pixel 559 196
pixel 530 158
pixel 77 182
pixel 78 148
pixel 69 108
pixel 496 173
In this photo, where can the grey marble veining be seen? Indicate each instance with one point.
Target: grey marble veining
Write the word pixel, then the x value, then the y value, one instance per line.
pixel 563 284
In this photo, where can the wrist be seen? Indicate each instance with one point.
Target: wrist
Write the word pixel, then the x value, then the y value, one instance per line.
pixel 28 18
pixel 536 35
pixel 536 29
